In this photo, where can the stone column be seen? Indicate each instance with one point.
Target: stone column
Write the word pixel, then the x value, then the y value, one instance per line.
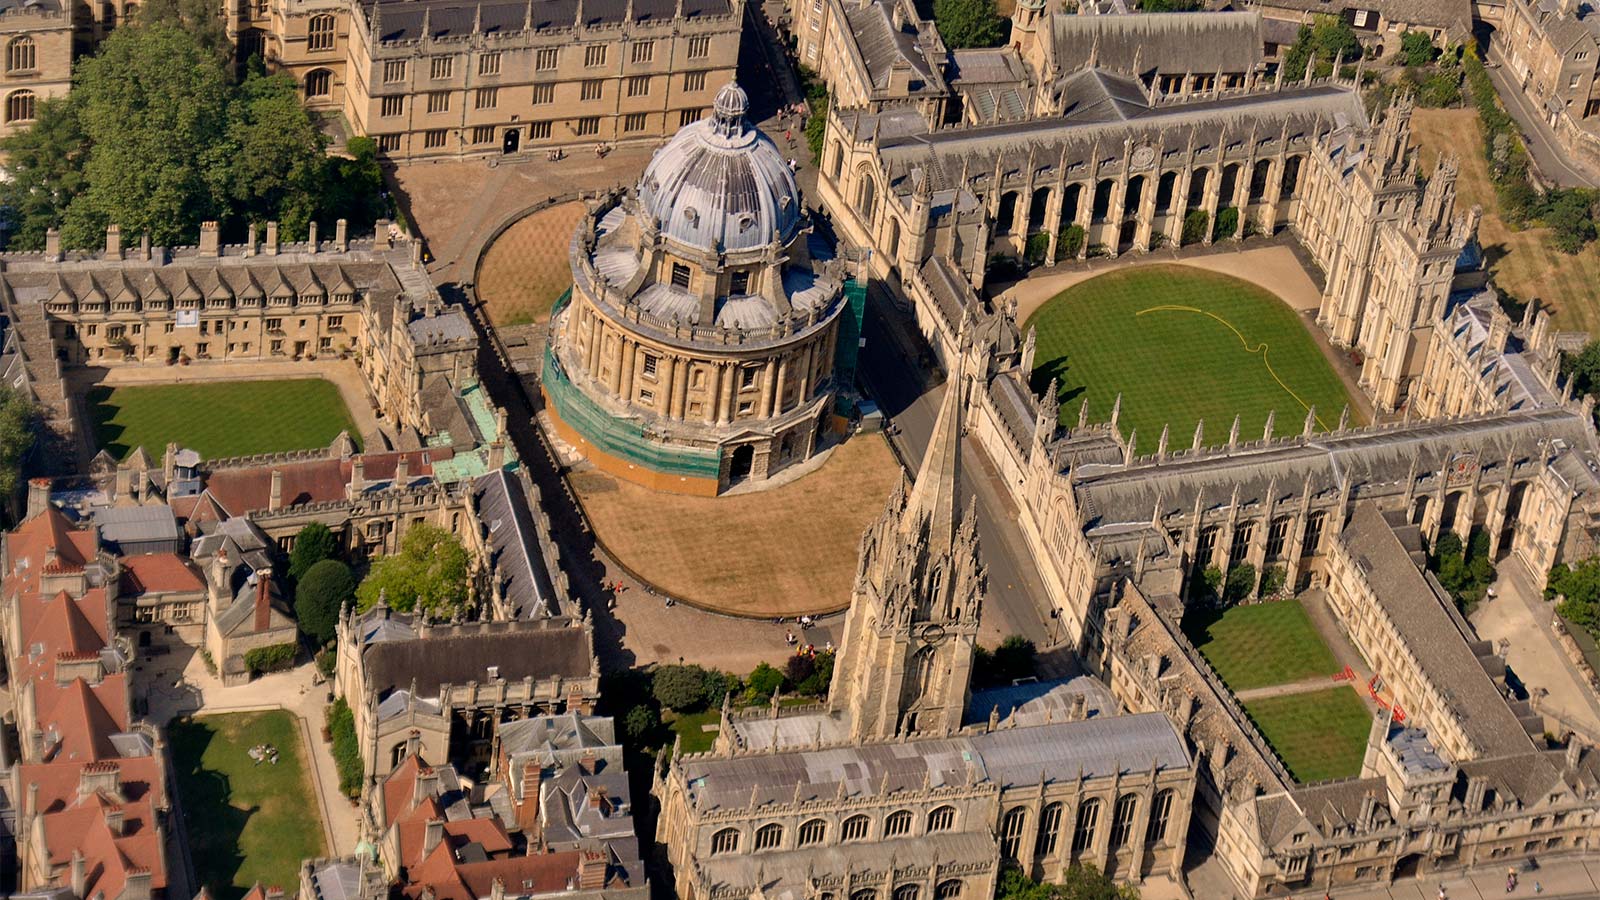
pixel 1241 192
pixel 1052 220
pixel 769 381
pixel 596 338
pixel 1136 842
pixel 666 378
pixel 730 377
pixel 630 365
pixel 616 365
pixel 1213 194
pixel 680 401
pixel 783 382
pixel 1147 210
pixel 1085 218
pixel 714 395
pixel 1269 216
pixel 1119 193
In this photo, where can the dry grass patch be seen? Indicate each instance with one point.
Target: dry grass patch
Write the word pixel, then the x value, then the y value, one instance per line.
pixel 786 551
pixel 526 268
pixel 1522 262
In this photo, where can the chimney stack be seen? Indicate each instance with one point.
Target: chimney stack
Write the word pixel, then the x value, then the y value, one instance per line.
pixel 263 598
pixel 341 236
pixel 591 871
pixel 311 238
pixel 275 494
pixel 38 496
pixel 402 471
pixel 80 873
pixel 52 245
pixel 210 240
pixel 113 242
pixel 272 239
pixel 250 240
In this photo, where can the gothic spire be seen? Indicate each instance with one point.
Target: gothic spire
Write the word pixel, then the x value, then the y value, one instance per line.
pixel 933 494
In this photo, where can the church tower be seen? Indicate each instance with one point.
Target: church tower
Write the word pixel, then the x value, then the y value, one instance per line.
pixel 906 657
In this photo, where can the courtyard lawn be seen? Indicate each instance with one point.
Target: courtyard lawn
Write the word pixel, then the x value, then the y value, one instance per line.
pixel 1260 645
pixel 693 738
pixel 246 821
pixel 1182 345
pixel 1320 735
pixel 220 418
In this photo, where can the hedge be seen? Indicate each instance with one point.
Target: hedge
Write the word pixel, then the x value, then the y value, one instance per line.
pixel 346 753
pixel 271 658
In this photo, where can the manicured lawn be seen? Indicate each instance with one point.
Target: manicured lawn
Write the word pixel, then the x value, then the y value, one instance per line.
pixel 526 268
pixel 246 821
pixel 1320 735
pixel 1260 645
pixel 1182 345
pixel 220 418
pixel 690 728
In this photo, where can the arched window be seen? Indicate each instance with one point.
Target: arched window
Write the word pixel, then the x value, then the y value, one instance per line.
pixel 897 824
pixel 1011 831
pixel 865 894
pixel 397 754
pixel 319 34
pixel 19 106
pixel 812 832
pixel 867 200
pixel 725 841
pixel 1049 830
pixel 319 83
pixel 1122 819
pixel 922 673
pixel 906 892
pixel 948 890
pixel 20 55
pixel 769 837
pixel 1160 815
pixel 838 162
pixel 942 819
pixel 854 829
pixel 1088 819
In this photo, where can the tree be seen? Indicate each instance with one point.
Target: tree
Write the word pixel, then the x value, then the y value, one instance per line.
pixel 817 127
pixel 1195 224
pixel 19 429
pixel 153 106
pixel 763 682
pixel 1579 588
pixel 1013 659
pixel 276 158
pixel 1327 38
pixel 1416 48
pixel 1273 580
pixel 1464 571
pixel 969 23
pixel 200 18
pixel 45 164
pixel 1240 583
pixel 641 725
pixel 1569 215
pixel 429 573
pixel 319 596
pixel 1080 882
pixel 312 545
pixel 1584 368
pixel 679 688
pixel 1070 241
pixel 799 667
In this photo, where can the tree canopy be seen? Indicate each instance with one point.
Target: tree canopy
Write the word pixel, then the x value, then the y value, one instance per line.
pixel 1329 39
pixel 1466 571
pixel 312 545
pixel 1081 882
pixel 429 573
pixel 969 23
pixel 319 596
pixel 156 136
pixel 19 428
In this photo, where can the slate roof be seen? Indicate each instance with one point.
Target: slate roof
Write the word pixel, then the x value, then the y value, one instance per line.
pixel 1008 757
pixel 514 546
pixel 883 47
pixel 1440 641
pixel 1455 16
pixel 1198 42
pixel 136 524
pixel 402 20
pixel 463 653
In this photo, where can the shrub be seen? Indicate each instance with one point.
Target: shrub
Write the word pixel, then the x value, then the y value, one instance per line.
pixel 1273 581
pixel 1038 247
pixel 679 688
pixel 346 752
pixel 1568 214
pixel 1227 223
pixel 1195 223
pixel 816 684
pixel 1070 241
pixel 327 660
pixel 718 685
pixel 764 681
pixel 320 596
pixel 1013 659
pixel 271 658
pixel 798 669
pixel 1416 48
pixel 1240 584
pixel 1464 571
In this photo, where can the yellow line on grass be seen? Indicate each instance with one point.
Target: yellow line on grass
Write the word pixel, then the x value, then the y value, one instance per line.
pixel 1260 348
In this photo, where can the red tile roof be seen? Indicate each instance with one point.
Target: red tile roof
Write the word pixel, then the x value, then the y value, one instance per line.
pixel 241 490
pixel 539 873
pixel 159 573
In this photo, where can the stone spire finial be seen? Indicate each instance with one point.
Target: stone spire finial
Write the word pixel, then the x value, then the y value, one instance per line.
pixel 933 493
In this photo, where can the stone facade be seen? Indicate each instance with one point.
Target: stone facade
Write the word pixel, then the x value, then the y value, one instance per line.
pixel 1551 50
pixel 705 315
pixel 37 41
pixel 906 785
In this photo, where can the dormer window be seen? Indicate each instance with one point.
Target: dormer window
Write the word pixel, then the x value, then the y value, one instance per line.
pixel 680 276
pixel 739 283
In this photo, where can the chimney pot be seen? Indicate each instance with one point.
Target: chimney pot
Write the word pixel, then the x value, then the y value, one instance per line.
pixel 113 242
pixel 210 240
pixel 272 239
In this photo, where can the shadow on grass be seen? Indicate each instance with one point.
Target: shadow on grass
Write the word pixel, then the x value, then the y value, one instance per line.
pixel 106 432
pixel 212 824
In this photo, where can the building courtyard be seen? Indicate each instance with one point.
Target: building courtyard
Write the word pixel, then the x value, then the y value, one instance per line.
pixel 247 820
pixel 1183 346
pixel 220 418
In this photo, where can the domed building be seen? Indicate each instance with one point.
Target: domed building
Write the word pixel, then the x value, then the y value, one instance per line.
pixel 699 347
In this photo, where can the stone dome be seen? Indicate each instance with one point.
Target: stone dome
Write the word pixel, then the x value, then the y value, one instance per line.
pixel 722 185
